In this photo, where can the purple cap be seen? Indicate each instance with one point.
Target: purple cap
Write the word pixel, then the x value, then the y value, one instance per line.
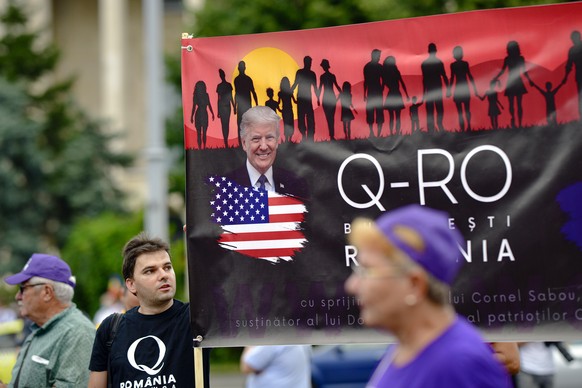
pixel 440 256
pixel 44 266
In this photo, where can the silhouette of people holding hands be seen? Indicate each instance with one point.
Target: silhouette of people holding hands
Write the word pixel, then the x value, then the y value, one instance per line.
pixel 550 98
pixel 271 103
pixel 225 101
pixel 373 92
pixel 392 79
pixel 495 106
pixel 348 109
pixel 327 81
pixel 514 63
pixel 305 80
pixel 460 77
pixel 199 116
pixel 286 100
pixel 575 60
pixel 244 90
pixel 433 77
pixel 414 115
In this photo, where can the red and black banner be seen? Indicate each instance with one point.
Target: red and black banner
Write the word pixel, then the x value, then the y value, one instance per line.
pixel 476 113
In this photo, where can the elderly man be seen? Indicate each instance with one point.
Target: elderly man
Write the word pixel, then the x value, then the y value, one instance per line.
pixel 260 135
pixel 407 260
pixel 56 353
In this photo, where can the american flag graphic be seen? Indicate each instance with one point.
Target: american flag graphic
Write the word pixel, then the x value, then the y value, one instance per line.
pixel 257 223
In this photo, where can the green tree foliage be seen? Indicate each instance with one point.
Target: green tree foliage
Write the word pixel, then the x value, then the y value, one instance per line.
pixel 55 161
pixel 94 252
pixel 234 17
pixel 21 168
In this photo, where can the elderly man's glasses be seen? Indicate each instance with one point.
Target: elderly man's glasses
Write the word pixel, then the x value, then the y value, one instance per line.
pixel 24 287
pixel 383 272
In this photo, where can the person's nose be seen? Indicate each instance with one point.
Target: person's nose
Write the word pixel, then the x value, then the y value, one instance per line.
pixel 163 274
pixel 351 285
pixel 18 296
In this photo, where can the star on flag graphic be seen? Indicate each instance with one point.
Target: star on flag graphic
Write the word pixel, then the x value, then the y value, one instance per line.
pixel 255 222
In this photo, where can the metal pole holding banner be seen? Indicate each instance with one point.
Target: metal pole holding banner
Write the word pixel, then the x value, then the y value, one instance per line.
pixel 156 214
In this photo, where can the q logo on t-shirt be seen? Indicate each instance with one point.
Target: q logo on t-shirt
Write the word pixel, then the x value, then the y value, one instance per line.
pixel 144 368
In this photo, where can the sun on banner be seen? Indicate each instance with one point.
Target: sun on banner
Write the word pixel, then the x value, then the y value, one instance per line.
pixel 475 113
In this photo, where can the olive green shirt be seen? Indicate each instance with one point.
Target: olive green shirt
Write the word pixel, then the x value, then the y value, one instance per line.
pixel 56 354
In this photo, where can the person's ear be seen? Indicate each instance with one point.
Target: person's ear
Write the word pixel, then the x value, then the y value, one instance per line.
pixel 48 292
pixel 129 284
pixel 419 283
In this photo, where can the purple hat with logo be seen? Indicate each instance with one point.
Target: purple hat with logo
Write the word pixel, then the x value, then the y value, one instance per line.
pixel 439 252
pixel 44 266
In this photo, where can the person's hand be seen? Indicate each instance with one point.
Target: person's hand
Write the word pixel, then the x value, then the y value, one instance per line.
pixel 508 354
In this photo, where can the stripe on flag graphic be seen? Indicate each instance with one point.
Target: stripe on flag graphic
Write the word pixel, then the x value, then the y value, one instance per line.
pixel 257 223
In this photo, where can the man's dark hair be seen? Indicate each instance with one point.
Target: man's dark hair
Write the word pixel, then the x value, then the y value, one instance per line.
pixel 138 245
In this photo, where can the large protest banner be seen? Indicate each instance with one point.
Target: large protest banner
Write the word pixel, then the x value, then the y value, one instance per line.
pixel 475 113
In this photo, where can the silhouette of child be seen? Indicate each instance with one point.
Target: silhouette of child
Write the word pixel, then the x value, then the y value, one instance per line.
pixel 271 103
pixel 414 114
pixel 550 97
pixel 494 105
pixel 348 109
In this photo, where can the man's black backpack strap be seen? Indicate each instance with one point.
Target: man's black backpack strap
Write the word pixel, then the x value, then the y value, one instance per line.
pixel 115 319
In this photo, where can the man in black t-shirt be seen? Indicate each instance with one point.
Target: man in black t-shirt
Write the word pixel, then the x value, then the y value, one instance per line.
pixel 153 342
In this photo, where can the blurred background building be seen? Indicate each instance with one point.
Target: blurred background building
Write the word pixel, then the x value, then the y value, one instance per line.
pixel 76 202
pixel 102 46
